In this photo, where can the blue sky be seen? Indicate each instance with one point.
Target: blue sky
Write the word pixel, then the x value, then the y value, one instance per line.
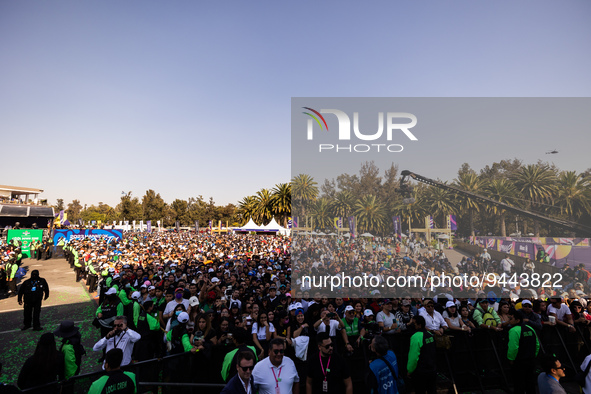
pixel 193 98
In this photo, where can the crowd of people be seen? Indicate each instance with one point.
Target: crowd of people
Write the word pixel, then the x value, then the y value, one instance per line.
pixel 228 300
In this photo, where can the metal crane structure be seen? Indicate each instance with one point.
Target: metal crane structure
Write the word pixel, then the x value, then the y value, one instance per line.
pixel 406 190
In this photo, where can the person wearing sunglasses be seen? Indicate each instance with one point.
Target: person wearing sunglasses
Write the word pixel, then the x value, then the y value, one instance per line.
pixel 120 337
pixel 276 373
pixel 530 318
pixel 549 379
pixel 327 372
pixel 242 382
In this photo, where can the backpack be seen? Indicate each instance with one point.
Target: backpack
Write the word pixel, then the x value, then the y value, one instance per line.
pixel 488 319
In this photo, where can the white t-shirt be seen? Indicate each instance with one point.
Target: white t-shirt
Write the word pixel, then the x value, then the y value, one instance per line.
pixel 434 322
pixel 453 320
pixel 387 320
pixel 262 333
pixel 264 380
pixel 172 304
pixel 334 326
pixel 560 313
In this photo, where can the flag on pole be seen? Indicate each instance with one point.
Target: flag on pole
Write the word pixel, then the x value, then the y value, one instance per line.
pixel 352 226
pixel 197 226
pixel 149 226
pixel 178 225
pixel 397 225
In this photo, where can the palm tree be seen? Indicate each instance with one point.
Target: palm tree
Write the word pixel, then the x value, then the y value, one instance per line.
pixel 305 193
pixel 247 208
pixel 501 190
pixel 321 214
pixel 264 206
pixel 440 202
pixel 574 195
pixel 371 214
pixel 281 200
pixel 416 211
pixel 469 182
pixel 343 203
pixel 536 183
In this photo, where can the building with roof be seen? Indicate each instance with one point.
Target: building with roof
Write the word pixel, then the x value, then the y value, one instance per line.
pixel 22 205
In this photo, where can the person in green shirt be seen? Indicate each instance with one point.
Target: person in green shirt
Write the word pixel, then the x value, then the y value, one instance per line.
pixel 422 358
pixel 522 351
pixel 71 347
pixel 239 338
pixel 115 381
pixel 11 267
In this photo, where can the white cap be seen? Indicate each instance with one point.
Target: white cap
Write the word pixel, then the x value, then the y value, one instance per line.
pixel 299 305
pixel 291 307
pixel 368 312
pixel 214 280
pixel 111 291
pixel 151 288
pixel 210 270
pixel 349 308
pixel 116 276
pixel 450 304
pixel 193 301
pixel 135 295
pixel 183 317
pixel 526 302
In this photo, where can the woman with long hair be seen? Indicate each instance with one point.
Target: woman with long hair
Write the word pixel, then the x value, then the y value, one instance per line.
pixel 262 332
pixel 45 366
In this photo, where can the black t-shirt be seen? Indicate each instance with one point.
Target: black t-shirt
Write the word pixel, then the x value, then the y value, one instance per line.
pixel 339 371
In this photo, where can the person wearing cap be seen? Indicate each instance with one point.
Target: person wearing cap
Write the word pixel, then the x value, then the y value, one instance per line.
pixel 353 332
pixel 453 318
pixel 110 308
pixel 71 347
pixel 34 290
pixel 178 337
pixel 115 381
pixel 178 299
pixel 484 314
pixel 530 318
pixel 404 315
pixel 523 349
pixel 120 337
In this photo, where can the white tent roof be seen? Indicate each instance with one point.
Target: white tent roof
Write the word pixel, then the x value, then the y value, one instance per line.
pixel 366 235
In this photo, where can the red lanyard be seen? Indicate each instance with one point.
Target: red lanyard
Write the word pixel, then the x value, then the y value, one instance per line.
pixel 322 366
pixel 278 377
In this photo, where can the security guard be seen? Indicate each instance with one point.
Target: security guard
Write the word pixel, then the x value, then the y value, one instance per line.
pixel 33 289
pixel 115 381
pixel 11 268
pixel 422 358
pixel 524 347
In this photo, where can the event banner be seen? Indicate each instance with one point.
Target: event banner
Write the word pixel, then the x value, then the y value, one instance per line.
pixel 573 251
pixel 92 234
pixel 26 237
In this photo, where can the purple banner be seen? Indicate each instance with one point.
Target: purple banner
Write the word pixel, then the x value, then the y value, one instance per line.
pixel 397 225
pixel 453 225
pixel 149 226
pixel 352 226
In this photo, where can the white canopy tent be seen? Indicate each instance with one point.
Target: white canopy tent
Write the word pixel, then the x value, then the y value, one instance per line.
pixel 272 227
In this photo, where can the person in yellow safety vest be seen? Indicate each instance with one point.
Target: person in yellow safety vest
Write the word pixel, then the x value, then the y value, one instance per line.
pixel 77 265
pixel 11 268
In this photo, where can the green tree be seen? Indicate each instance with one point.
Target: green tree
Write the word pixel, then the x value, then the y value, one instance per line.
pixel 370 214
pixel 246 209
pixel 536 184
pixel 60 205
pixel 305 192
pixel 440 203
pixel 264 207
pixel 281 202
pixel 321 216
pixel 129 208
pixel 179 211
pixel 73 211
pixel 153 206
pixel 501 190
pixel 574 195
pixel 468 180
